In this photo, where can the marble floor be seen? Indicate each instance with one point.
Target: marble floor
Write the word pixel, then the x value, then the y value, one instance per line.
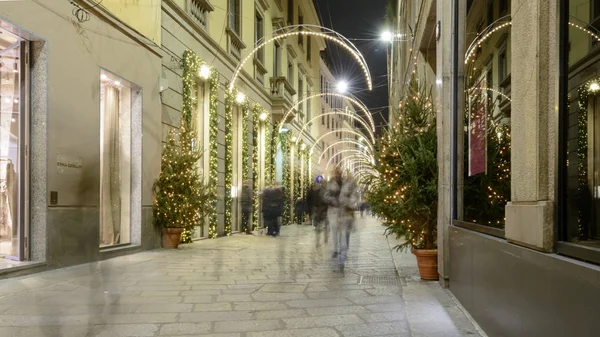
pixel 238 286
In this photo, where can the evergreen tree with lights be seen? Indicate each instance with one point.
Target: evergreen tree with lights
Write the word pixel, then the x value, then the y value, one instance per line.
pixel 181 197
pixel 404 194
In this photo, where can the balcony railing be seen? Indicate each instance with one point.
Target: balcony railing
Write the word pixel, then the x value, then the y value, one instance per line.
pixel 282 89
pixel 198 10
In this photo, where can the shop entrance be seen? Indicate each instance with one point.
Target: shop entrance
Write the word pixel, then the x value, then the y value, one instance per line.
pixel 14 166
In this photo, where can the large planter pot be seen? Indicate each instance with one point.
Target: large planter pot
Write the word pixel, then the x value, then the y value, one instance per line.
pixel 171 237
pixel 427 260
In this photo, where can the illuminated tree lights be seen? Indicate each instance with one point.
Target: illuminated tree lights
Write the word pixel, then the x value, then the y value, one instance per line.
pixel 404 190
pixel 181 199
pixel 256 111
pixel 285 140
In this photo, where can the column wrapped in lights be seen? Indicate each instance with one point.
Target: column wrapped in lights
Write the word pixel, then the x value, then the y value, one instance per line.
pixel 192 67
pixel 228 198
pixel 256 111
pixel 270 151
pixel 285 141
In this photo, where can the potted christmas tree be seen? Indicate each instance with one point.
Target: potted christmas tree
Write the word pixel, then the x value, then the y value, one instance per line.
pixel 180 197
pixel 404 193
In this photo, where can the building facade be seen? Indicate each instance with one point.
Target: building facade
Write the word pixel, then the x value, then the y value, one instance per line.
pixel 95 91
pixel 76 172
pixel 517 229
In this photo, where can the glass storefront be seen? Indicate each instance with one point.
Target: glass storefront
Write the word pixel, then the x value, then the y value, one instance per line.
pixel 486 138
pixel 580 224
pixel 13 171
pixel 201 116
pixel 115 160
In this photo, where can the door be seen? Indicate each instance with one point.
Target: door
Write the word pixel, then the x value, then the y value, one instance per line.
pixel 13 149
pixel 237 161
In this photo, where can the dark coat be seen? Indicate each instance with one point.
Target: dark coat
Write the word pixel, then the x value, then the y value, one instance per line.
pixel 273 199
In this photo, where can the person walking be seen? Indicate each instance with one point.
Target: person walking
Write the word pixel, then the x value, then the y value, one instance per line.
pixel 246 207
pixel 272 208
pixel 341 199
pixel 317 210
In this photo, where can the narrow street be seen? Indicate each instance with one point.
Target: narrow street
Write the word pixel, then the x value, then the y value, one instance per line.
pixel 250 286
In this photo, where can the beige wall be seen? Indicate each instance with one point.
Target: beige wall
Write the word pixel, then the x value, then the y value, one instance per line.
pixel 143 16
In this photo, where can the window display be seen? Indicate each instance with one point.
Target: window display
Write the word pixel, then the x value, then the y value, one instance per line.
pixel 115 160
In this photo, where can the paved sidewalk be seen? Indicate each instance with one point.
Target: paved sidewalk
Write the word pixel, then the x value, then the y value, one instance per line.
pixel 241 286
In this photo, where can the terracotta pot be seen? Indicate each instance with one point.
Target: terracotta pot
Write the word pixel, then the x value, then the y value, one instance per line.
pixel 427 259
pixel 171 237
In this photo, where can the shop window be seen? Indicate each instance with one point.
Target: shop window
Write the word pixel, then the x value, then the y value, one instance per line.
pixel 579 225
pixel 115 160
pixel 13 124
pixel 486 187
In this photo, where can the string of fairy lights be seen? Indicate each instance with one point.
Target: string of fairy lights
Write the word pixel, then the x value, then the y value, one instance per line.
pixel 256 113
pixel 228 183
pixel 194 67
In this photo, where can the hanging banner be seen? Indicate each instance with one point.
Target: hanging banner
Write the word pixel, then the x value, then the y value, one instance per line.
pixel 477 131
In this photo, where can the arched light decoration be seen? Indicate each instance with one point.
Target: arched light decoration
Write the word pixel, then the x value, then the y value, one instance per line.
pixel 468 91
pixel 310 30
pixel 346 141
pixel 358 103
pixel 485 34
pixel 354 161
pixel 586 30
pixel 338 112
pixel 312 148
pixel 357 152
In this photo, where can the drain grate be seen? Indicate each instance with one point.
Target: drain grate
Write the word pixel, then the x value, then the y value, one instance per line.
pixel 382 280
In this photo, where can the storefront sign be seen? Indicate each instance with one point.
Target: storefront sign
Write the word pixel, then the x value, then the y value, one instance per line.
pixel 477 135
pixel 68 164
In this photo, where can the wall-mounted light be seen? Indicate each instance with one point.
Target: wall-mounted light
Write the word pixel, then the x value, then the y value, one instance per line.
pixel 117 83
pixel 594 86
pixel 294 138
pixel 204 71
pixel 303 146
pixel 104 77
pixel 284 130
pixel 240 97
pixel 263 116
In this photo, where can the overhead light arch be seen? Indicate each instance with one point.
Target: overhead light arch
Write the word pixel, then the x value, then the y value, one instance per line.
pixel 309 30
pixel 340 112
pixel 312 148
pixel 354 100
pixel 367 158
pixel 343 141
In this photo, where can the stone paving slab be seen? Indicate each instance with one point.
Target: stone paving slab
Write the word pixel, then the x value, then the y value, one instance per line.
pixel 238 286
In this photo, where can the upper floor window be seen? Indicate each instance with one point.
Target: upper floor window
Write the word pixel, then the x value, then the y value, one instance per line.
pixel 290 12
pixel 300 22
pixel 235 15
pixel 490 12
pixel 276 59
pixel 308 49
pixel 290 70
pixel 259 33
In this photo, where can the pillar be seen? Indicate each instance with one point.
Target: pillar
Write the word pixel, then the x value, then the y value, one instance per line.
pixel 534 38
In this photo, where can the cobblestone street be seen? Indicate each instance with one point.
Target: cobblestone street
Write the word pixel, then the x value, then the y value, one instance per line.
pixel 240 286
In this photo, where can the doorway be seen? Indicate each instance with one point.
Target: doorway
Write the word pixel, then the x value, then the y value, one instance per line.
pixel 237 162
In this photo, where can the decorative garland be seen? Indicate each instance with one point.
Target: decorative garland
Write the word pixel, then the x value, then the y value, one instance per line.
pixel 270 152
pixel 256 111
pixel 285 139
pixel 229 96
pixel 191 67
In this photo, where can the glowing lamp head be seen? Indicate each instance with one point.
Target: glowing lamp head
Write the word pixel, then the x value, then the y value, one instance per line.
pixel 240 97
pixel 204 71
pixel 263 116
pixel 387 36
pixel 294 138
pixel 342 87
pixel 303 146
pixel 594 87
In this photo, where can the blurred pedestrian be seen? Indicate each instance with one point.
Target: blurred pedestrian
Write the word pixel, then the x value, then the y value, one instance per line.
pixel 246 207
pixel 272 207
pixel 318 210
pixel 298 211
pixel 341 199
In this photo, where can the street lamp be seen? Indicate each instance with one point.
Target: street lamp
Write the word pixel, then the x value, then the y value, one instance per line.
pixel 387 36
pixel 240 98
pixel 342 86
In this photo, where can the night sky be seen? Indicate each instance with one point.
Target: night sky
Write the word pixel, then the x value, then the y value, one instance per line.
pixel 362 22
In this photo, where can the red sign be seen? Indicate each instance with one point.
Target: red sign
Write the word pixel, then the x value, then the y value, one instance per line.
pixel 477 132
